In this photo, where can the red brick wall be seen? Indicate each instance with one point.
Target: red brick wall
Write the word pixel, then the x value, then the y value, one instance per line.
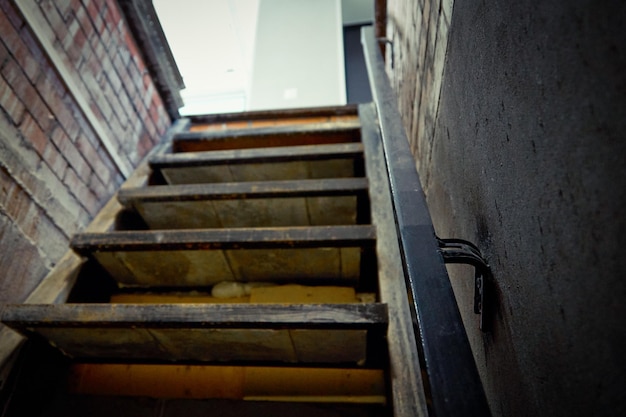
pixel 55 170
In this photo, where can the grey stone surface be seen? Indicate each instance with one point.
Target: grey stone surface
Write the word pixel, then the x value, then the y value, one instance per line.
pixel 528 161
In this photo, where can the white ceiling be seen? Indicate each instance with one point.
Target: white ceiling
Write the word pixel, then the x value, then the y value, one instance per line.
pixel 213 44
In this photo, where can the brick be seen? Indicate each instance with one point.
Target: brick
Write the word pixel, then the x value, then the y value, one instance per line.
pixel 10 103
pixel 141 66
pixel 92 10
pixel 99 24
pixel 130 43
pixel 114 100
pixel 4 54
pixel 29 64
pixel 54 239
pixel 55 160
pixel 91 202
pixel 101 171
pixel 27 94
pixel 51 90
pixel 70 46
pixel 90 63
pixel 105 38
pixel 33 134
pixel 21 258
pixel 126 53
pixel 17 202
pixel 79 189
pixel 127 107
pixel 41 113
pixel 86 148
pixel 115 13
pixel 59 137
pixel 66 118
pixel 29 220
pixel 71 180
pixel 73 25
pixel 14 76
pixel 84 20
pixel 8 33
pixel 111 74
pixel 6 186
pixel 71 154
pixel 87 131
pixel 99 189
pixel 12 14
pixel 33 46
pixel 65 8
pixel 56 20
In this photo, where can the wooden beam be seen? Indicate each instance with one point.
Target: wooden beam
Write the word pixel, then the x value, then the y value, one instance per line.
pixel 219 239
pixel 244 190
pixel 309 134
pixel 281 114
pixel 258 155
pixel 238 333
pixel 404 366
pixel 353 316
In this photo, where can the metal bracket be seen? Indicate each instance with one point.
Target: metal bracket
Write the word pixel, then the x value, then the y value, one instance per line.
pixel 385 42
pixel 459 251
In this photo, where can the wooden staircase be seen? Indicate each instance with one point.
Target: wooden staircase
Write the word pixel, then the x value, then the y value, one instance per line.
pixel 249 267
pixel 257 264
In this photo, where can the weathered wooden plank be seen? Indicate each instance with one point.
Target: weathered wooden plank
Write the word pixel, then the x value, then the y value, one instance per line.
pixel 267 164
pixel 319 333
pixel 253 238
pixel 197 268
pixel 235 382
pixel 148 406
pixel 204 257
pixel 274 136
pixel 262 172
pixel 258 204
pixel 246 190
pixel 404 366
pixel 278 114
pixel 351 316
pixel 258 155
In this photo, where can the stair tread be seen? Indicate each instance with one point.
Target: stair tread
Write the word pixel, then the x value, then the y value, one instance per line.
pixel 236 238
pixel 272 136
pixel 240 190
pixel 258 155
pixel 257 333
pixel 232 316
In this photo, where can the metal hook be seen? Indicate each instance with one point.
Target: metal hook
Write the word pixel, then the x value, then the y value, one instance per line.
pixel 459 251
pixel 389 42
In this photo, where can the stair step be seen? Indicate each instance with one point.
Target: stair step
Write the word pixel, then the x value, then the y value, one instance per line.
pixel 319 255
pixel 310 333
pixel 106 406
pixel 284 163
pixel 265 137
pixel 286 383
pixel 250 204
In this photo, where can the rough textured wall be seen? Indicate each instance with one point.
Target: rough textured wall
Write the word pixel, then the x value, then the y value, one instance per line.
pixel 524 155
pixel 55 172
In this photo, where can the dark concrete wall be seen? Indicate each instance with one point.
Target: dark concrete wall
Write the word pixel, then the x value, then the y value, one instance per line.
pixel 526 157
